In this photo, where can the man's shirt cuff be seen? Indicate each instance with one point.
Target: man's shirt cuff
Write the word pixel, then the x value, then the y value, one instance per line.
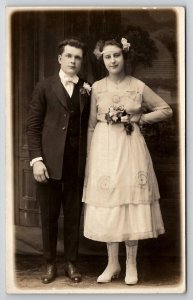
pixel 34 160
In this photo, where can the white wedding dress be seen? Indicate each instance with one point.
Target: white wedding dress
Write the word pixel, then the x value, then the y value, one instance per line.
pixel 121 193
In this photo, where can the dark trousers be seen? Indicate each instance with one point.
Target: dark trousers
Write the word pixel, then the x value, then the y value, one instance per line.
pixel 51 196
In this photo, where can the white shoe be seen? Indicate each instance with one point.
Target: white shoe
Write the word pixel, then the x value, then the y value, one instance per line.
pixel 131 274
pixel 109 274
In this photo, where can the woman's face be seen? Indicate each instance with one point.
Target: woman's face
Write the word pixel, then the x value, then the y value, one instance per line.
pixel 113 59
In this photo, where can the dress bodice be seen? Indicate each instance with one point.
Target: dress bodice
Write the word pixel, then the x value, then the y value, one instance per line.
pixel 127 96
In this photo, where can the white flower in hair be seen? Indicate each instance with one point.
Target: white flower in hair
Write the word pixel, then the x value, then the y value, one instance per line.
pixel 97 52
pixel 125 44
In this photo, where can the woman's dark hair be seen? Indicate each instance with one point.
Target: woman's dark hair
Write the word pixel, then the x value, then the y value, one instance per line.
pixel 113 42
pixel 73 42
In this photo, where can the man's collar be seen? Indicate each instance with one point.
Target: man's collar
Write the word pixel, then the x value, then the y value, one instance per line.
pixel 66 77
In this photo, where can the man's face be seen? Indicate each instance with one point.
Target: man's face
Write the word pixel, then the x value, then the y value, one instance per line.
pixel 71 60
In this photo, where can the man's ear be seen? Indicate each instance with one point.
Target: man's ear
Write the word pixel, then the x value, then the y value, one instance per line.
pixel 59 58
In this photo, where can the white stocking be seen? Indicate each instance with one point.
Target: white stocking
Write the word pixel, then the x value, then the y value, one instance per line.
pixel 113 267
pixel 131 264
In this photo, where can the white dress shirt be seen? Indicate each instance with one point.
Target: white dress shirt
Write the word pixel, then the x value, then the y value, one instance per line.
pixel 68 81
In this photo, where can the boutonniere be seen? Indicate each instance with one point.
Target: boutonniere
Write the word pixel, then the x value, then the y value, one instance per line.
pixel 85 89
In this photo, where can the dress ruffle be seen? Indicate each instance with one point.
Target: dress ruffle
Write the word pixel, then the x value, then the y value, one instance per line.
pixel 121 223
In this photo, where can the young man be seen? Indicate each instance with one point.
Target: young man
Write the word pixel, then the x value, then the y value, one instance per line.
pixel 57 133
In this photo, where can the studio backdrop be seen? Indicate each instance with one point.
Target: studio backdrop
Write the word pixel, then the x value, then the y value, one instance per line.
pixel 34 39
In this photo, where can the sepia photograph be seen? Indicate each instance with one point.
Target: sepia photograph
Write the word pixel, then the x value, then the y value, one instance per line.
pixel 95 150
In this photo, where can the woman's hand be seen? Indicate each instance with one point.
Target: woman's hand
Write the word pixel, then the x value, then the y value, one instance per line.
pixel 125 119
pixel 40 172
pixel 135 118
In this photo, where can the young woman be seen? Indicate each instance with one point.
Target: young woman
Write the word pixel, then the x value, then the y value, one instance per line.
pixel 121 193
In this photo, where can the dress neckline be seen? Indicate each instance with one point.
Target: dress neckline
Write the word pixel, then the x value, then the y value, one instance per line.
pixel 119 85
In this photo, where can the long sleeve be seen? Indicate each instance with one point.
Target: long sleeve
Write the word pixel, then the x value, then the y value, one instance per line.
pixel 92 118
pixel 160 110
pixel 35 122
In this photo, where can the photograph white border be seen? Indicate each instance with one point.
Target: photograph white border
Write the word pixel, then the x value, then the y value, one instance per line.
pixel 9 174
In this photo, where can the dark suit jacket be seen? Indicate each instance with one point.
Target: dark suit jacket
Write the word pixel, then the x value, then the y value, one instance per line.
pixel 47 125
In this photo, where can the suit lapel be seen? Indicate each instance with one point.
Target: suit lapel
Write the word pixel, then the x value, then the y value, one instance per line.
pixel 82 98
pixel 60 92
pixel 63 96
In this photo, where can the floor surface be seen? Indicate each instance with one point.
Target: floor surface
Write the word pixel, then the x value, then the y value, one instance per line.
pixel 157 274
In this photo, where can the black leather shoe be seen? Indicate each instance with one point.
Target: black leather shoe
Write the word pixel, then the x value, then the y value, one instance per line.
pixel 72 272
pixel 50 273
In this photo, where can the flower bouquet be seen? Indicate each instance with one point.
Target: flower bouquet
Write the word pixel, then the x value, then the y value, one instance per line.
pixel 117 115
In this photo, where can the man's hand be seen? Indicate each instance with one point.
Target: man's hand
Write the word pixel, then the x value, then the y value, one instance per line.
pixel 40 172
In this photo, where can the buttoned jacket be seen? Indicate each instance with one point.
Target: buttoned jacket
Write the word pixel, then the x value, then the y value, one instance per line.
pixel 47 124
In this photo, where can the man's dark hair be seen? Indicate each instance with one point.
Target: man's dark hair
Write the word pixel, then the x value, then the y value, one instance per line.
pixel 73 42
